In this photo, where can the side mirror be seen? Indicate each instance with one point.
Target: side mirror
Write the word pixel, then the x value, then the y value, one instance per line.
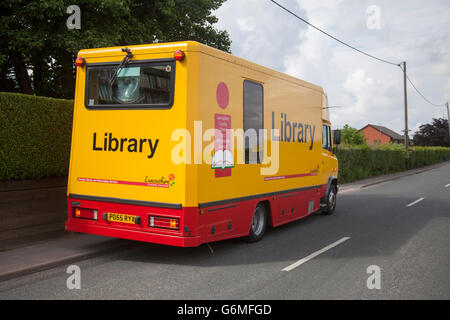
pixel 337 137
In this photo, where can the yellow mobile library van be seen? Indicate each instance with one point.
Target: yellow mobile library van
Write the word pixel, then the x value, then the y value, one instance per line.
pixel 182 144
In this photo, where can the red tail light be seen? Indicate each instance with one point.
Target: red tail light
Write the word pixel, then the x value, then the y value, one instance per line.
pixel 84 213
pixel 179 55
pixel 80 62
pixel 163 222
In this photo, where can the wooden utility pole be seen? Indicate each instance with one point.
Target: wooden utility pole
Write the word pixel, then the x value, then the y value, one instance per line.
pixel 448 120
pixel 406 107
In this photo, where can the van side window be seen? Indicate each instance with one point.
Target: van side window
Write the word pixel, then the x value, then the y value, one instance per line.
pixel 326 137
pixel 329 139
pixel 253 122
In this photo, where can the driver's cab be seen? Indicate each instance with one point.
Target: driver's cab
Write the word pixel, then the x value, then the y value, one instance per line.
pixel 329 163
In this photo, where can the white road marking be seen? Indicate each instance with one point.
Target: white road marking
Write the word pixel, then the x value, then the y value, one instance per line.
pixel 447 185
pixel 315 254
pixel 414 202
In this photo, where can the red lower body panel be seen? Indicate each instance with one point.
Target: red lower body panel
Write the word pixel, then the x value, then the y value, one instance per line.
pixel 134 235
pixel 184 236
pixel 208 223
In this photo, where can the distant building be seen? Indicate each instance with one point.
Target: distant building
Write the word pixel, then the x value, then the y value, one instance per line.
pixel 381 135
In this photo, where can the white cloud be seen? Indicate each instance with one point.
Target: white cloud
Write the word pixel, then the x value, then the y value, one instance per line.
pixel 258 32
pixel 245 24
pixel 370 91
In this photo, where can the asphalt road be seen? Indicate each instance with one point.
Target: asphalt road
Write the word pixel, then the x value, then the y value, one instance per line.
pixel 383 225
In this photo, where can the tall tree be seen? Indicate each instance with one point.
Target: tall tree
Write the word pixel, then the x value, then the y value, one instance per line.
pixel 351 136
pixel 433 134
pixel 40 49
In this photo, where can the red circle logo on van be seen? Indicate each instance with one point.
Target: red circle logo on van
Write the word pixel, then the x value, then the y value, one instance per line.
pixel 222 95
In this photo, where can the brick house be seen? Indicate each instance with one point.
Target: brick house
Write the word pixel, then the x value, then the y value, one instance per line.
pixel 380 135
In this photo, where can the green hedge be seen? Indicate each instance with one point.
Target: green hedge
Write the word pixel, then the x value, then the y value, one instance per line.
pixel 423 156
pixel 35 135
pixel 361 162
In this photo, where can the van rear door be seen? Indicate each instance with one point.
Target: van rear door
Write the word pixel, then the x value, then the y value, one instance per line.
pixel 123 121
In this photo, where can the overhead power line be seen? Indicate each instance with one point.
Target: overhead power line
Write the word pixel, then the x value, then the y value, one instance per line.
pixel 329 35
pixel 420 93
pixel 360 51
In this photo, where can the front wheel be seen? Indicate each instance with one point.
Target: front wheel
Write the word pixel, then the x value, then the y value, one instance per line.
pixel 331 200
pixel 259 223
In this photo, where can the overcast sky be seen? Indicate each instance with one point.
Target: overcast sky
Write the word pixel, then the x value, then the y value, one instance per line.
pixel 415 31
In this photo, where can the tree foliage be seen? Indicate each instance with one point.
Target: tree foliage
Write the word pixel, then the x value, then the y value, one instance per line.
pixel 38 52
pixel 351 136
pixel 433 134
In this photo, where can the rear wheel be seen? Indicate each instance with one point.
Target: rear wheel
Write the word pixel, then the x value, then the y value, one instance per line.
pixel 259 224
pixel 331 200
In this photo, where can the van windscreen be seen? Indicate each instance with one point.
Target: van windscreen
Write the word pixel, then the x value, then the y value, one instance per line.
pixel 145 84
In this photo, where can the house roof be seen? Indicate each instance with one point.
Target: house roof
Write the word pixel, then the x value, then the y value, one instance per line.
pixel 385 131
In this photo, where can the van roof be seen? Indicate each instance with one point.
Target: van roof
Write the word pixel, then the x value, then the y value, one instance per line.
pixel 191 46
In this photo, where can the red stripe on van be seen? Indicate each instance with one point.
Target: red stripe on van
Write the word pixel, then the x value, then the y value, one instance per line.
pixel 291 176
pixel 131 183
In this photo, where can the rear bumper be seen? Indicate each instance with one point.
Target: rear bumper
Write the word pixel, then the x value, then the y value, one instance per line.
pixel 133 234
pixel 184 236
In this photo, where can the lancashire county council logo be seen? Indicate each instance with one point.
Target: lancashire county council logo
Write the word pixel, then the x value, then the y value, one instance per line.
pixel 162 182
pixel 171 179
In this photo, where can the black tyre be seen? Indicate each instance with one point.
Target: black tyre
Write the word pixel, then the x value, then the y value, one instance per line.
pixel 330 200
pixel 259 224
